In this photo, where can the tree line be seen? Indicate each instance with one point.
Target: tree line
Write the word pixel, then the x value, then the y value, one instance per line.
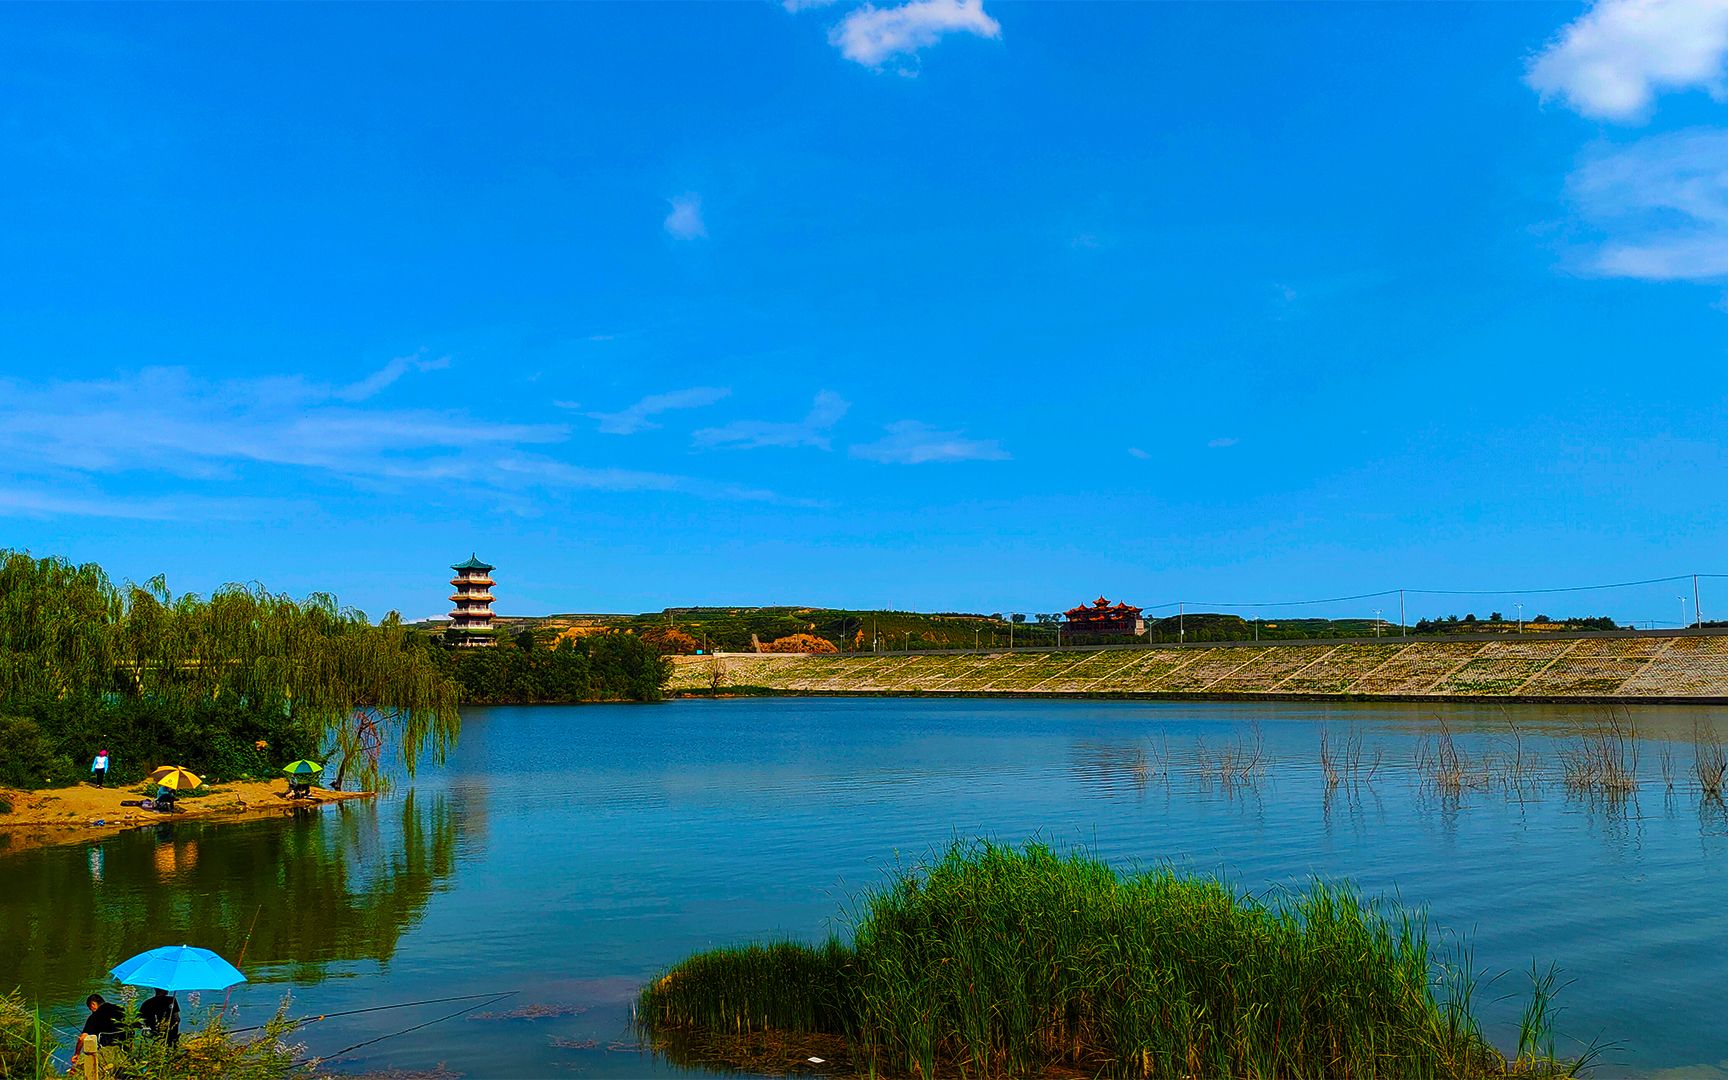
pixel 243 681
pixel 520 670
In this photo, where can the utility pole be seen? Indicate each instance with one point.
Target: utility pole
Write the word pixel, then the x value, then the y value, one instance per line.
pixel 1010 630
pixel 1401 620
pixel 1697 616
pixel 1181 629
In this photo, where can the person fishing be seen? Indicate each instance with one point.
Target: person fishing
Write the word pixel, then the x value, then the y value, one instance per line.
pixel 99 768
pixel 161 1016
pixel 102 1028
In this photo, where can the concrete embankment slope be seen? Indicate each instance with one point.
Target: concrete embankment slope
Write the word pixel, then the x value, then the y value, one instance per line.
pixel 1656 666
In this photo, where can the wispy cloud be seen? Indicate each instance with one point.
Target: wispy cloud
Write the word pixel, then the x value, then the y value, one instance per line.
pixel 796 6
pixel 1613 60
pixel 1662 204
pixel 19 501
pixel 871 35
pixel 1222 443
pixel 635 418
pixel 165 419
pixel 685 220
pixel 1135 451
pixel 176 445
pixel 812 430
pixel 376 382
pixel 910 442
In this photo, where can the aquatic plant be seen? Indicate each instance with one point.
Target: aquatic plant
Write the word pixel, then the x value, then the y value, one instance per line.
pixel 1709 759
pixel 1343 763
pixel 1000 961
pixel 1604 760
pixel 1241 762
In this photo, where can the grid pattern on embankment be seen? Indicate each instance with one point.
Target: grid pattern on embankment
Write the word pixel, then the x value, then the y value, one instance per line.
pixel 1655 666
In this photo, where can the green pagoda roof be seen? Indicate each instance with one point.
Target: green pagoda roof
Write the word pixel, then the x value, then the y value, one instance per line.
pixel 473 563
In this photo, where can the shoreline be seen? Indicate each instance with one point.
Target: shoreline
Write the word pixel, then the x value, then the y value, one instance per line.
pixel 53 816
pixel 732 692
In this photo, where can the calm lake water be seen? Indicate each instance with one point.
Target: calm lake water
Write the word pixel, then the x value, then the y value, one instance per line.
pixel 569 854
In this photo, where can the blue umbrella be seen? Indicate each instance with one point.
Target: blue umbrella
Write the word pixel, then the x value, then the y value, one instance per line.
pixel 178 967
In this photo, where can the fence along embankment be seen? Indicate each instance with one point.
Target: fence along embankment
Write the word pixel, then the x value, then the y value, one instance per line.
pixel 1614 667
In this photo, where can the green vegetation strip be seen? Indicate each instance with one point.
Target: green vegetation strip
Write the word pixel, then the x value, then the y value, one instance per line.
pixel 1002 961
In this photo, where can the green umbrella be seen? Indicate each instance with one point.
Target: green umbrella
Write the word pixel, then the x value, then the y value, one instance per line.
pixel 302 768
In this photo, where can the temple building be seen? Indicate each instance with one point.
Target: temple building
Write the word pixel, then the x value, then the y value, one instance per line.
pixel 1103 617
pixel 471 622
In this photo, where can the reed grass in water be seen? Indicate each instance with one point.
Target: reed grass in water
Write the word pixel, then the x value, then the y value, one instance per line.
pixel 1001 961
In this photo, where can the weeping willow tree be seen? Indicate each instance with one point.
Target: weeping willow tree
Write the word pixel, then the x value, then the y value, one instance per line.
pixel 315 674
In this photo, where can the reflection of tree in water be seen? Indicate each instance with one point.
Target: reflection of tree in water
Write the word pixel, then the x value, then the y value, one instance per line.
pixel 330 886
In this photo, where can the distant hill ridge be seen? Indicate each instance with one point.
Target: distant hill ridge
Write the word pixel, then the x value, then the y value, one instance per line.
pixel 735 628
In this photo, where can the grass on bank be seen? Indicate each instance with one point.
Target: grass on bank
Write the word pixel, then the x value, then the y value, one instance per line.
pixel 28 1046
pixel 1002 961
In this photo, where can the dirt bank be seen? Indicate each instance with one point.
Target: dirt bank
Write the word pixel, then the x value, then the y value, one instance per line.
pixel 69 815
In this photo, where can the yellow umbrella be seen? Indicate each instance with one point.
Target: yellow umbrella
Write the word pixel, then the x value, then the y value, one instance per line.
pixel 175 778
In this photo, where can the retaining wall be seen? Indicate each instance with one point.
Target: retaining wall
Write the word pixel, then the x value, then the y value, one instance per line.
pixel 1666 666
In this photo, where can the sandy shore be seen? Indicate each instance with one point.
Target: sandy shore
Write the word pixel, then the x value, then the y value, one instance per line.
pixel 69 815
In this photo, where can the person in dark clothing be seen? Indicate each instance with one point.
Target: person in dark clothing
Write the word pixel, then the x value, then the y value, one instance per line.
pixel 161 1016
pixel 107 1021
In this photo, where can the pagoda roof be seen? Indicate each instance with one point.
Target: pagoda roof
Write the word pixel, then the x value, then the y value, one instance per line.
pixel 473 563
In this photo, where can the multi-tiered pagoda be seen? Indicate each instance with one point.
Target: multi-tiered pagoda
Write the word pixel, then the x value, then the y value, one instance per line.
pixel 471 622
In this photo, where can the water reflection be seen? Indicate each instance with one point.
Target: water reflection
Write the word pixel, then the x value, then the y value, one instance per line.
pixel 341 884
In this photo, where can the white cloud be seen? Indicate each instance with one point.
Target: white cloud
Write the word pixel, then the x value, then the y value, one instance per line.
pixel 871 35
pixel 1221 443
pixel 15 502
pixel 685 220
pixel 1612 61
pixel 183 443
pixel 825 411
pixel 374 383
pixel 1662 203
pixel 910 442
pixel 635 418
pixel 1135 451
pixel 796 6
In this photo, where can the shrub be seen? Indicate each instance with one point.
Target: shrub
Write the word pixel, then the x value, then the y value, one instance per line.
pixel 800 643
pixel 31 758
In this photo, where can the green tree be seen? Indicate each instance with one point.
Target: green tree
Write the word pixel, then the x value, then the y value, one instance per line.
pixel 205 680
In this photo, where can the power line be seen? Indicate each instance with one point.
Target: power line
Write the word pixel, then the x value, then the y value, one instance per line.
pixel 1174 604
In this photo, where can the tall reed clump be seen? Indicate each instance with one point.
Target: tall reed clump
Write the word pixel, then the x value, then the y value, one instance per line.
pixel 27 1044
pixel 1001 961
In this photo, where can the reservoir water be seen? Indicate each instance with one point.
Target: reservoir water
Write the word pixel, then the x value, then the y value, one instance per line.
pixel 569 854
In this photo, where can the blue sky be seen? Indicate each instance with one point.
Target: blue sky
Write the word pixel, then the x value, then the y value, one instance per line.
pixel 929 304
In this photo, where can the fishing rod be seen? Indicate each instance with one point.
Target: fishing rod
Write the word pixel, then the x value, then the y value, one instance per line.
pixel 405 1031
pixel 303 1021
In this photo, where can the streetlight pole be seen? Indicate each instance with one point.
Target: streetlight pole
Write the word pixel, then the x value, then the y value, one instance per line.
pixel 1520 608
pixel 1682 600
pixel 1697 616
pixel 1256 618
pixel 1181 628
pixel 1376 622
